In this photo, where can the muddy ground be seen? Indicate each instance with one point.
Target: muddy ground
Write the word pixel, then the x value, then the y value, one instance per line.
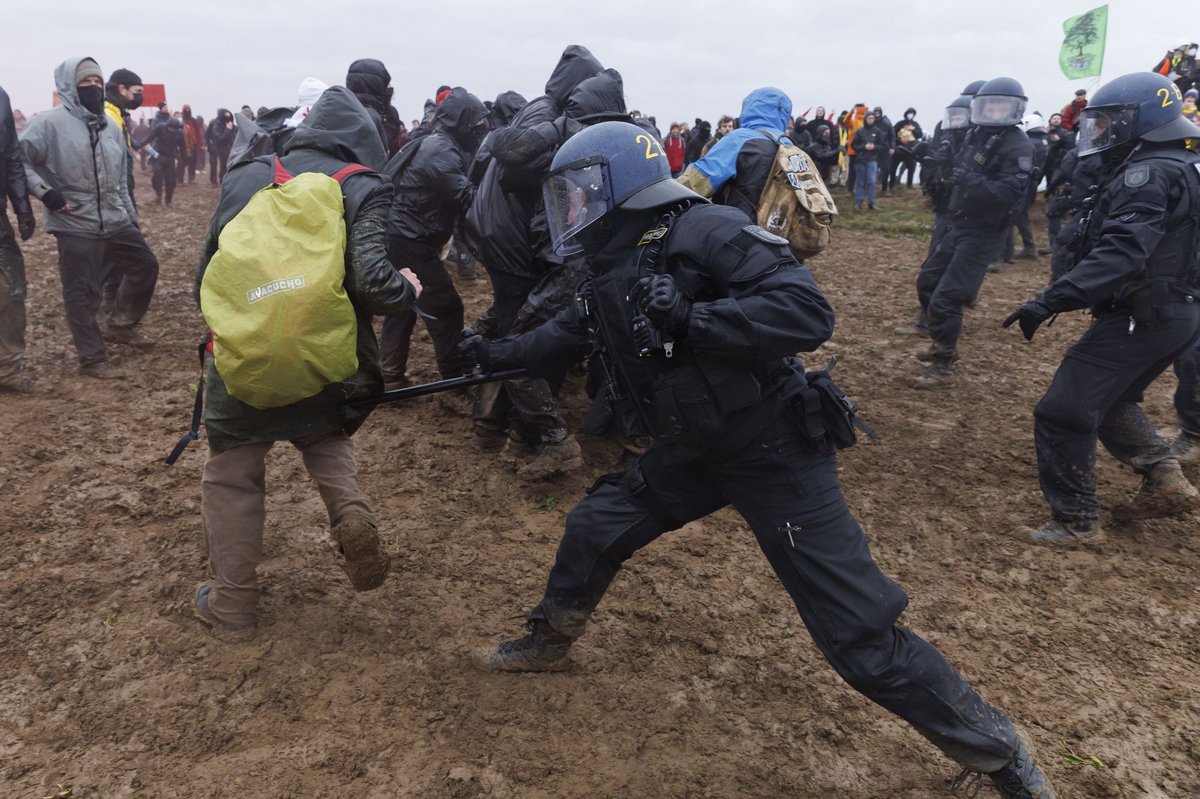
pixel 697 678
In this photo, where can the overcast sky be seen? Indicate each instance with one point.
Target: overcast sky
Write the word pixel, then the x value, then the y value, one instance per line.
pixel 679 60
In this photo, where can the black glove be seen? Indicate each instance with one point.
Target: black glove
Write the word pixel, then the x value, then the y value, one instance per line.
pixel 26 224
pixel 1030 316
pixel 54 201
pixel 663 303
pixel 470 352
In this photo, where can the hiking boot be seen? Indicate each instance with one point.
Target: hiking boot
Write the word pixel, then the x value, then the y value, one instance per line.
pixel 1061 532
pixel 393 382
pixel 939 373
pixel 553 460
pixel 927 355
pixel 1164 492
pixel 466 269
pixel 1028 254
pixel 543 649
pixel 358 540
pixel 1186 448
pixel 489 439
pixel 1021 778
pixel 911 330
pixel 102 370
pixel 1045 251
pixel 230 633
pixel 16 384
pixel 127 335
pixel 995 267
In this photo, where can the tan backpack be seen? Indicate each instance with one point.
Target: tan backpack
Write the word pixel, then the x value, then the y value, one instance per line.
pixel 795 203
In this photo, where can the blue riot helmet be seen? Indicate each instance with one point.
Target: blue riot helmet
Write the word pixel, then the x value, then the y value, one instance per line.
pixel 958 114
pixel 999 103
pixel 973 87
pixel 604 167
pixel 1141 106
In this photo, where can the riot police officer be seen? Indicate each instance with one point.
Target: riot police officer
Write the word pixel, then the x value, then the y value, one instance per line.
pixel 937 164
pixel 695 315
pixel 1139 275
pixel 990 177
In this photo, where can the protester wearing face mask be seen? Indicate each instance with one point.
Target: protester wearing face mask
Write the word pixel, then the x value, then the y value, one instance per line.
pixel 77 164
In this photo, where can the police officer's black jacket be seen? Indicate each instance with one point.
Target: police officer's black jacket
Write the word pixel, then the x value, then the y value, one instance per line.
pixel 995 166
pixel 430 175
pixel 507 217
pixel 1142 231
pixel 12 169
pixel 734 373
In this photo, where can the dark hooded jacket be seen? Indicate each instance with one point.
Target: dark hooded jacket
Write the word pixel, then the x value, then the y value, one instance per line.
pixel 167 138
pixel 506 106
pixel 507 218
pixel 700 137
pixel 12 171
pixel 338 131
pixel 370 81
pixel 219 138
pixel 430 174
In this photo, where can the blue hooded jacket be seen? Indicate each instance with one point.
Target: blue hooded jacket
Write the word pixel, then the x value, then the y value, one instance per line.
pixel 766 109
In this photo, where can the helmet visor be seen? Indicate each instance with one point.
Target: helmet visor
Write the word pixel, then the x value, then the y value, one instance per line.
pixel 997 110
pixel 575 198
pixel 956 118
pixel 1103 128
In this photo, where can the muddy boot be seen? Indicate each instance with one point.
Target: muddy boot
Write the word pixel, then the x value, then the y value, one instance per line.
pixel 927 355
pixel 553 459
pixel 1164 492
pixel 1028 254
pixel 939 373
pixel 358 541
pixel 1021 778
pixel 911 330
pixel 103 370
pixel 230 633
pixel 543 649
pixel 489 439
pixel 129 336
pixel 1062 532
pixel 1186 448
pixel 996 267
pixel 16 384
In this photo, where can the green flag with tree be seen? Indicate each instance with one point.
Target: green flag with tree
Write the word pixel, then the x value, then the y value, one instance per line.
pixel 1082 54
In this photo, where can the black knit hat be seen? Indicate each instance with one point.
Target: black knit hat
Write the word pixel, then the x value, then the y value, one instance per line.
pixel 124 77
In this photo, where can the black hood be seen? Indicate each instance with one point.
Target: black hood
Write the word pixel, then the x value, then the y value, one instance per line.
pixel 174 123
pixel 368 78
pixel 459 116
pixel 507 105
pixel 576 65
pixel 339 126
pixel 600 98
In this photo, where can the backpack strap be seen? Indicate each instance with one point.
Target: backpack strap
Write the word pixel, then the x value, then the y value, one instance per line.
pixel 280 174
pixel 193 433
pixel 348 170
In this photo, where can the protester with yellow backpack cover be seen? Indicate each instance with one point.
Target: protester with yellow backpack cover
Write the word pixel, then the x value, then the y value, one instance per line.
pixel 294 266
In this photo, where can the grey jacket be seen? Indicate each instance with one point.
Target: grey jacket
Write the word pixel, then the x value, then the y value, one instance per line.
pixel 83 156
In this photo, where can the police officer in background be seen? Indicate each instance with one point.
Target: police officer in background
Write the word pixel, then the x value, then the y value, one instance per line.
pixel 937 164
pixel 990 177
pixel 696 314
pixel 1139 275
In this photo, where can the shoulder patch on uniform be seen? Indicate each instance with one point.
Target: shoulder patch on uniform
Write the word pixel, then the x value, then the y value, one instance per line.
pixel 652 235
pixel 1025 163
pixel 1137 175
pixel 764 235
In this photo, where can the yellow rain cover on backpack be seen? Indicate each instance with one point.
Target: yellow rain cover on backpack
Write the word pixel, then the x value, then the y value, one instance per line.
pixel 273 294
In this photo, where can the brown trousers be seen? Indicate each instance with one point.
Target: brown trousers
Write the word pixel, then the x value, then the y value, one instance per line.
pixel 233 490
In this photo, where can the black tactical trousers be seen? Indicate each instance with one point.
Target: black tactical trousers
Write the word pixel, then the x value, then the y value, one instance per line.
pixel 941 226
pixel 163 178
pixel 950 279
pixel 439 299
pixel 1063 258
pixel 1095 394
pixel 83 264
pixel 791 499
pixel 12 301
pixel 528 404
pixel 1187 393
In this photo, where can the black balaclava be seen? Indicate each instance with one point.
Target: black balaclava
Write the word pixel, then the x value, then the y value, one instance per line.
pixel 91 98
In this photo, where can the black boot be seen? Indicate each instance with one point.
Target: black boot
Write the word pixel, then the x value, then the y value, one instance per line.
pixel 543 649
pixel 1021 778
pixel 1064 531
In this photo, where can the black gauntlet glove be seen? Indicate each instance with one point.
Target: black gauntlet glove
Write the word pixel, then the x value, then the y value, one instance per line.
pixel 25 224
pixel 660 299
pixel 1030 317
pixel 470 352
